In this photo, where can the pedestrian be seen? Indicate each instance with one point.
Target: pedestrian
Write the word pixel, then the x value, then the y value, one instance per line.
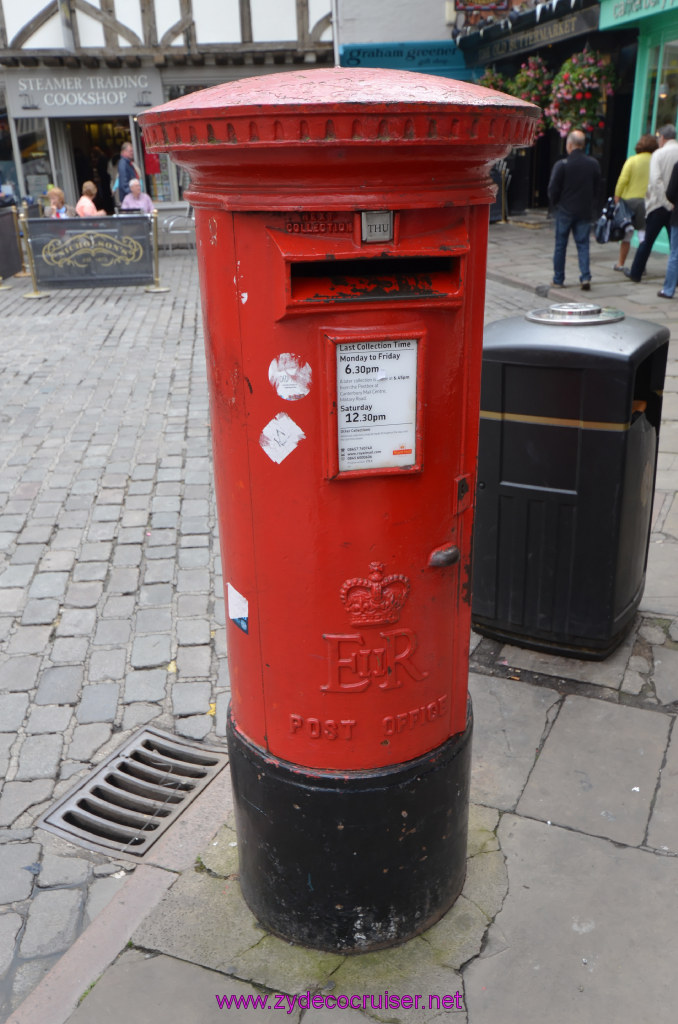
pixel 631 187
pixel 573 190
pixel 85 205
pixel 657 206
pixel 671 279
pixel 137 200
pixel 126 170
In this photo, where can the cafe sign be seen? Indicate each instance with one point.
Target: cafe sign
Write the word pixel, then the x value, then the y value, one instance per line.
pixel 37 92
pixel 81 252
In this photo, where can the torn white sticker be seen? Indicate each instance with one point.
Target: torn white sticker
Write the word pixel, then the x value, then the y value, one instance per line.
pixel 290 377
pixel 280 437
pixel 238 609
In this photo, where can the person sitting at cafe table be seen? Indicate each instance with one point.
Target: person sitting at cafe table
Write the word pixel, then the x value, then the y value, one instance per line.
pixel 85 205
pixel 136 199
pixel 57 203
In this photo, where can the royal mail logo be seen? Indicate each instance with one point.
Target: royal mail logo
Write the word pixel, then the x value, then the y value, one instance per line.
pixel 402 451
pixel 375 600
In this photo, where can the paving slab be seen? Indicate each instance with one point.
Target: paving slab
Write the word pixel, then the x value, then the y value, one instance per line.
pixel 40 757
pixel 665 674
pixel 510 719
pixel 19 796
pixel 661 585
pixel 143 987
pixel 609 672
pixel 598 770
pixel 10 924
pixel 18 867
pixel 12 711
pixel 580 937
pixel 413 970
pixel 52 922
pixel 56 870
pixel 663 831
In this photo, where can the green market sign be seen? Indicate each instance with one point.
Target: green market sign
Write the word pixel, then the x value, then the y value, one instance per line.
pixel 614 13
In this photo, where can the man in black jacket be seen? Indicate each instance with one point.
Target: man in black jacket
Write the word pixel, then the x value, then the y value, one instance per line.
pixel 573 190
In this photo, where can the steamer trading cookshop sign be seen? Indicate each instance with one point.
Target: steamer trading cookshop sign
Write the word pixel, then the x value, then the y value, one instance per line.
pixel 82 93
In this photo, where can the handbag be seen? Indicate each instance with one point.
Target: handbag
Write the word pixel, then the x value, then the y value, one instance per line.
pixel 603 226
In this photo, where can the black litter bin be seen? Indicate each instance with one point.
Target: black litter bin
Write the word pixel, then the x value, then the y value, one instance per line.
pixel 569 424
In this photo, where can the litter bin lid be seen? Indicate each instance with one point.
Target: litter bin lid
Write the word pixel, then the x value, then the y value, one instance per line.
pixel 574 313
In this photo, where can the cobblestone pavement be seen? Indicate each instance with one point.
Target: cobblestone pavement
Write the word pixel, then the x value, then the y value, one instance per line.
pixel 111 612
pixel 110 589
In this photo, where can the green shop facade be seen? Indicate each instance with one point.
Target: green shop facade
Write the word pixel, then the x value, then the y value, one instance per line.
pixel 655 90
pixel 655 87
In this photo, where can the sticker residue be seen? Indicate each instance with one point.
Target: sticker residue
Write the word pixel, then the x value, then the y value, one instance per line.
pixel 290 377
pixel 280 437
pixel 238 609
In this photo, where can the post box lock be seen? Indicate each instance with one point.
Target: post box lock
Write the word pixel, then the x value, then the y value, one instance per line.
pixel 449 554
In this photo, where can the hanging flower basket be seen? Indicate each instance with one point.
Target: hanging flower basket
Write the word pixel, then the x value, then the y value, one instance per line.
pixel 533 84
pixel 579 93
pixel 492 79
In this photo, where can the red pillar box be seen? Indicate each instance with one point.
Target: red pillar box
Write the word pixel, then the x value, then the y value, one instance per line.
pixel 342 227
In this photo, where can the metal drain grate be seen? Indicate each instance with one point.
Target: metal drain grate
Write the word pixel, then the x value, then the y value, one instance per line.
pixel 135 794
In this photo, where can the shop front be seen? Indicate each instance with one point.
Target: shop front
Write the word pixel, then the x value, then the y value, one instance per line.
pixel 66 128
pixel 554 32
pixel 655 88
pixel 655 85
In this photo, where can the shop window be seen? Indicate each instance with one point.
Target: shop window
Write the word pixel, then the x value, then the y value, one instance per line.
pixel 35 162
pixel 651 94
pixel 9 181
pixel 667 89
pixel 157 177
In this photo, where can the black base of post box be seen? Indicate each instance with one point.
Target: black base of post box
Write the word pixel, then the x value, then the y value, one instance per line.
pixel 352 861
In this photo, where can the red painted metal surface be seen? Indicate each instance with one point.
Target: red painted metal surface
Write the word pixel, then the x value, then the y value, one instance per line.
pixel 344 380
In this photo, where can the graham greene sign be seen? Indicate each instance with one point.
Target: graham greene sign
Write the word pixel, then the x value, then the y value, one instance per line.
pixel 76 94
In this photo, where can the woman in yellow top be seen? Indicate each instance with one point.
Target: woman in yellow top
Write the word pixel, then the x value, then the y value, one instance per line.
pixel 631 187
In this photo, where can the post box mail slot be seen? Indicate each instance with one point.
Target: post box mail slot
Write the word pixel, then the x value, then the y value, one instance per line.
pixel 367 280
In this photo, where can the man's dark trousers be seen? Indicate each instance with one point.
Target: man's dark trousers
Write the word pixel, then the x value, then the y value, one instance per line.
pixel 655 221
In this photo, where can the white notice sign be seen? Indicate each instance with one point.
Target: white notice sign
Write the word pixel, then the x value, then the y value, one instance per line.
pixel 377 404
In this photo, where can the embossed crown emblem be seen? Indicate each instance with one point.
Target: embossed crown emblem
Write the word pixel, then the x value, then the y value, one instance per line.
pixel 376 599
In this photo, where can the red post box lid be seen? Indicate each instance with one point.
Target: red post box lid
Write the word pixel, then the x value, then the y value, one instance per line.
pixel 338 125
